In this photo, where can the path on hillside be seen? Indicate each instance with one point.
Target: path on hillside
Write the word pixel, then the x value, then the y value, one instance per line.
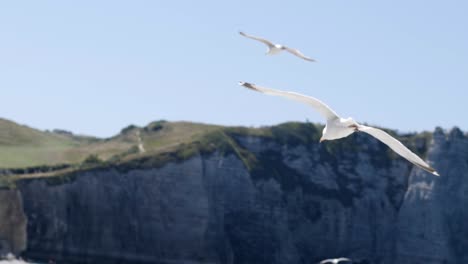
pixel 141 148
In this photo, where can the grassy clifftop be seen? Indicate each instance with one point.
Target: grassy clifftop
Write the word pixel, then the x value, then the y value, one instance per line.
pixel 22 146
pixel 33 153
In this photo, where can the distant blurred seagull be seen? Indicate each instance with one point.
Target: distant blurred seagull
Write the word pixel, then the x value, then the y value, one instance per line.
pixel 10 259
pixel 334 261
pixel 276 48
pixel 338 127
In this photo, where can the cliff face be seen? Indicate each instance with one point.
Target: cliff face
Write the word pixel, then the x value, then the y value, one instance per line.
pixel 265 200
pixel 433 221
pixel 12 223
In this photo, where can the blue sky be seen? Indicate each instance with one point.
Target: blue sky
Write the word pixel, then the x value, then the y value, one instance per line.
pixel 94 67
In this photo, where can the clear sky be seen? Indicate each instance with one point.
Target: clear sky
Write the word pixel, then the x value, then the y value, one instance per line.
pixel 94 67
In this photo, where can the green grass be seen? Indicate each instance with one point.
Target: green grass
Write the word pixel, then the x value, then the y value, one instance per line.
pixel 23 146
pixel 170 134
pixel 164 142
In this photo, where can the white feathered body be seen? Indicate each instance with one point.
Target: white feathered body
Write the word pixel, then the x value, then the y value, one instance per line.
pixel 338 128
pixel 272 50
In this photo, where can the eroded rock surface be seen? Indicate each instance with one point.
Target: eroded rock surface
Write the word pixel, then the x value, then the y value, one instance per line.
pixel 12 222
pixel 291 203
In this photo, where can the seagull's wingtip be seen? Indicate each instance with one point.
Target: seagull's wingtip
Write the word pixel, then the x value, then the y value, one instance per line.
pixel 248 85
pixel 436 173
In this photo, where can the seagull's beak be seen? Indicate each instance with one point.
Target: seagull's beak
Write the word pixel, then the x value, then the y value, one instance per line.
pixel 321 139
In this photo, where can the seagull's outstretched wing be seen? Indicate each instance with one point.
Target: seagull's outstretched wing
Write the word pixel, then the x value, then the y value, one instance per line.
pixel 298 54
pixel 397 146
pixel 325 261
pixel 264 41
pixel 318 105
pixel 342 259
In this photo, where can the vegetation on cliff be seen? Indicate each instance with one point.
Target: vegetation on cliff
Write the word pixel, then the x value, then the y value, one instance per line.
pixel 61 155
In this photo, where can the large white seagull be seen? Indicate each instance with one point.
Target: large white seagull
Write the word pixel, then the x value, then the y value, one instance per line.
pixel 338 127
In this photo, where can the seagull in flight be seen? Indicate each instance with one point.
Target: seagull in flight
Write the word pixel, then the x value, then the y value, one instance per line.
pixel 337 127
pixel 277 48
pixel 334 261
